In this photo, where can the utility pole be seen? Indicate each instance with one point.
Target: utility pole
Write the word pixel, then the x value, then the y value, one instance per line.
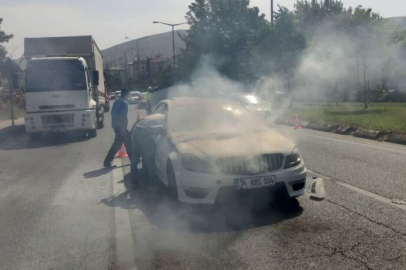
pixel 272 13
pixel 173 40
pixel 173 46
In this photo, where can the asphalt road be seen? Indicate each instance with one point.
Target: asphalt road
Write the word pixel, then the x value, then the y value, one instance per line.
pixel 59 209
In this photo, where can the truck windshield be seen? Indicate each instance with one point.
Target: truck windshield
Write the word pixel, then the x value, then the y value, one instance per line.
pixel 55 75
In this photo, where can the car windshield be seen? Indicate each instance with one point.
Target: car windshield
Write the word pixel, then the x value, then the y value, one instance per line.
pixel 249 99
pixel 213 118
pixel 55 75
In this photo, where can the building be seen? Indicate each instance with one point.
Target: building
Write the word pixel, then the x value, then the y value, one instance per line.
pixel 137 68
pixel 158 64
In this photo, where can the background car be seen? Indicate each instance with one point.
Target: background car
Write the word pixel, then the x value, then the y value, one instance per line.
pixel 112 96
pixel 142 103
pixel 133 98
pixel 256 105
pixel 396 95
pixel 227 153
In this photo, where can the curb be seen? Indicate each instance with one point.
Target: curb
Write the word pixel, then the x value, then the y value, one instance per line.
pixel 398 138
pixel 368 134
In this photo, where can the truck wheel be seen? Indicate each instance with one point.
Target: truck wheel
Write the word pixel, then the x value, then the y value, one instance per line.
pixel 92 133
pixel 35 136
pixel 100 118
pixel 107 108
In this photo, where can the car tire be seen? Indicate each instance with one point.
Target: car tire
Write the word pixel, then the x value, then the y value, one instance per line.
pixel 288 204
pixel 172 186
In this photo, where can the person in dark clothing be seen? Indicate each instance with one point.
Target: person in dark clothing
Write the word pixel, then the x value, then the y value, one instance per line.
pixel 144 146
pixel 119 123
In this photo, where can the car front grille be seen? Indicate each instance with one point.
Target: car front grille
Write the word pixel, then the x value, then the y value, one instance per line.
pixel 250 166
pixel 57 119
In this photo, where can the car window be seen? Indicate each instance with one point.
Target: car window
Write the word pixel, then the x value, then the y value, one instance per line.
pixel 161 109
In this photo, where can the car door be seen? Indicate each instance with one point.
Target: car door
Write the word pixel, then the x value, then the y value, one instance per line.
pixel 163 148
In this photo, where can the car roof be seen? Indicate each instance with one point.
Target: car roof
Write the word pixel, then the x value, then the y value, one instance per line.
pixel 182 101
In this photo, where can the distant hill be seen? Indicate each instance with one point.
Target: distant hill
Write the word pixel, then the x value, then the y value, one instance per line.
pixel 401 21
pixel 151 46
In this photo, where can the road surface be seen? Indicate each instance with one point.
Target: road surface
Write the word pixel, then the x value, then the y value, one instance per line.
pixel 59 209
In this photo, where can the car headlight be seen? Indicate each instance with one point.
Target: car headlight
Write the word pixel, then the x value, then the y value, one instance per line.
pixel 195 164
pixel 293 159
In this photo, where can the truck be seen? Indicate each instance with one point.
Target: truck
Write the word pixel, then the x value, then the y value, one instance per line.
pixel 64 86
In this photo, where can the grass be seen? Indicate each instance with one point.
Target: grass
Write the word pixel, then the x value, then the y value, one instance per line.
pixel 5 113
pixel 379 116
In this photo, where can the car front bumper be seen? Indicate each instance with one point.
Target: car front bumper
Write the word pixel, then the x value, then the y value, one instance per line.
pixel 204 188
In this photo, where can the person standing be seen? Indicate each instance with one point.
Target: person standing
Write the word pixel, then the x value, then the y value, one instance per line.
pixel 119 121
pixel 149 97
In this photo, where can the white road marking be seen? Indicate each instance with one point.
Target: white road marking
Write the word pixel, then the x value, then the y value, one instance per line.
pixel 124 240
pixel 360 190
pixel 356 143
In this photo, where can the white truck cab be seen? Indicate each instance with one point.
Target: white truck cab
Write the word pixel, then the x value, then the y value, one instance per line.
pixel 64 92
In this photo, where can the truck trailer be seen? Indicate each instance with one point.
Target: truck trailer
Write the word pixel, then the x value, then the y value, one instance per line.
pixel 64 85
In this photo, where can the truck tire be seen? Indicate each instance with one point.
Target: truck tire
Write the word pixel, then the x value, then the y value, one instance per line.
pixel 106 108
pixel 92 133
pixel 35 136
pixel 100 117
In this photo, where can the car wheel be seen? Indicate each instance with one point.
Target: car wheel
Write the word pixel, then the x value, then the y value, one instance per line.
pixel 288 204
pixel 172 186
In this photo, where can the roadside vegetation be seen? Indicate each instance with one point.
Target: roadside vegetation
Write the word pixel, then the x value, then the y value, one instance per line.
pixel 380 116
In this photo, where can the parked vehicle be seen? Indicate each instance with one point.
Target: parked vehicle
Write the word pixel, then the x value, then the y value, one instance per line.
pixel 211 150
pixel 142 104
pixel 396 95
pixel 134 96
pixel 64 85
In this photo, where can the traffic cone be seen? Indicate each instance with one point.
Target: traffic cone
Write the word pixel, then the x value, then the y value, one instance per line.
pixel 297 122
pixel 122 153
pixel 138 116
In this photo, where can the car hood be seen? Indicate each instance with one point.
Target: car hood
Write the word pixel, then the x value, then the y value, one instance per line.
pixel 231 144
pixel 258 107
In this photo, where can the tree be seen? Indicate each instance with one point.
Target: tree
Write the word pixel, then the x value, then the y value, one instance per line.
pixel 3 38
pixel 364 32
pixel 221 28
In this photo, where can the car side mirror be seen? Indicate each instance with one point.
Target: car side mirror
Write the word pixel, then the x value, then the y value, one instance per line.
pixel 96 78
pixel 157 130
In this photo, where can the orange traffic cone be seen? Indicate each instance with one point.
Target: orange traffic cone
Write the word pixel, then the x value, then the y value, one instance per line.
pixel 138 116
pixel 297 122
pixel 122 153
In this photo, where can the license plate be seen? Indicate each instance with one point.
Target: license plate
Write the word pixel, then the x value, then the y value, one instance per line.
pixel 254 182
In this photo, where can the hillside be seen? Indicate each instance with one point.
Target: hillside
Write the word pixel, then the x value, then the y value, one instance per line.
pixel 401 21
pixel 160 44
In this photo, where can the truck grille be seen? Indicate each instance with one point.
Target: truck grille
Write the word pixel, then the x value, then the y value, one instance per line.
pixel 58 119
pixel 250 166
pixel 51 107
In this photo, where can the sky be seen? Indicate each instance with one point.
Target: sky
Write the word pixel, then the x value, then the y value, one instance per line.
pixel 110 21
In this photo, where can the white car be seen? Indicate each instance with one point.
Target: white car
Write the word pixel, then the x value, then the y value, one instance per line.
pixel 208 150
pixel 133 97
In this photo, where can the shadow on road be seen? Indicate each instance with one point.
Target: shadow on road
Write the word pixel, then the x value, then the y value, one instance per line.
pixel 22 141
pixel 168 215
pixel 102 171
